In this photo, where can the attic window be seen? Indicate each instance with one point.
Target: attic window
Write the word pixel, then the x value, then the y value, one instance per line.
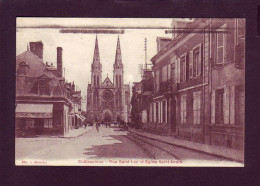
pixel 43 87
pixel 22 68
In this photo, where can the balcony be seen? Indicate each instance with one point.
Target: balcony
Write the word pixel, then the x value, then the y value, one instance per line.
pixel 167 87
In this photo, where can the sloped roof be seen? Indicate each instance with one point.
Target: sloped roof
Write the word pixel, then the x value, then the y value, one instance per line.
pixel 36 65
pixel 37 69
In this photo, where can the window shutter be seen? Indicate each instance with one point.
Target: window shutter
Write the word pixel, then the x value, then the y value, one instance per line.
pixel 184 68
pixel 169 71
pixel 178 70
pixel 154 112
pixel 232 105
pixel 226 105
pixel 200 60
pixel 213 107
pixel 187 66
pixel 194 108
pixel 220 47
pixel 191 64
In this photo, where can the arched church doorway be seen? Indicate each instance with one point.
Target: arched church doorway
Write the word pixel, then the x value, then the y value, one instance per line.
pixel 107 115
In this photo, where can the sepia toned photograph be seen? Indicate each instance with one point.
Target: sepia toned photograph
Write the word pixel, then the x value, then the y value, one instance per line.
pixel 156 92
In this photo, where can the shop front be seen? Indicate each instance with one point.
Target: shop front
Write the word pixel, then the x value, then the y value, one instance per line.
pixel 34 119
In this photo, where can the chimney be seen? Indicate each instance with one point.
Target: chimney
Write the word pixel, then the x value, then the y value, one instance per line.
pixel 162 42
pixel 59 61
pixel 37 48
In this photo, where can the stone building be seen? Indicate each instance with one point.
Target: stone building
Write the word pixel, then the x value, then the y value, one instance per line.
pixel 43 103
pixel 141 97
pixel 108 100
pixel 199 83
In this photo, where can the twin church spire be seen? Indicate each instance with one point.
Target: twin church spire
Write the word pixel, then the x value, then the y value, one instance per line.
pixel 97 66
pixel 118 59
pixel 96 57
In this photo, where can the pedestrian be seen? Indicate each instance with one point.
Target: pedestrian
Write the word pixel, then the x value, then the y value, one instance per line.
pixel 97 127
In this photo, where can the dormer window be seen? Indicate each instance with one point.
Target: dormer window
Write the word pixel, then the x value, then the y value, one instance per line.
pixel 22 69
pixel 43 86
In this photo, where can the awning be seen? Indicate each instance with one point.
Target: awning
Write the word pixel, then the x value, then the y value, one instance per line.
pixel 25 110
pixel 83 118
pixel 80 117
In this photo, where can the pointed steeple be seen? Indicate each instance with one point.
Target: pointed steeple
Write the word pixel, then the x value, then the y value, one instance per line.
pixel 118 59
pixel 96 58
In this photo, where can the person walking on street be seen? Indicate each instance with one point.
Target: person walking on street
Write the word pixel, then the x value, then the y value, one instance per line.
pixel 97 127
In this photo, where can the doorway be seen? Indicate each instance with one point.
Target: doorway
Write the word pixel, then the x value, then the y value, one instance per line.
pixel 173 115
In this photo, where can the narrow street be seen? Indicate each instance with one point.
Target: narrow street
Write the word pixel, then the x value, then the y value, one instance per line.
pixel 107 143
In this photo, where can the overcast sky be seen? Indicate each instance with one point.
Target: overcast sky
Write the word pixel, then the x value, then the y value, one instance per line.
pixel 78 49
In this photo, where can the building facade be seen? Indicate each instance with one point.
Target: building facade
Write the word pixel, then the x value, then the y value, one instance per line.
pixel 108 100
pixel 43 104
pixel 199 83
pixel 141 97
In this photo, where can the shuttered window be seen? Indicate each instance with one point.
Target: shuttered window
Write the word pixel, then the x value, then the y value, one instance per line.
pixel 164 73
pixel 43 87
pixel 157 112
pixel 183 68
pixel 213 101
pixel 195 61
pixel 177 70
pixel 183 109
pixel 169 71
pixel 220 45
pixel 191 64
pixel 154 113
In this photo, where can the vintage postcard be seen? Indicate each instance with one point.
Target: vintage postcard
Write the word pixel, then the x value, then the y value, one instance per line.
pixel 164 92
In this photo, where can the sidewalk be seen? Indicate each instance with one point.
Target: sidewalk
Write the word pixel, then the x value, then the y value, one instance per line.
pixel 78 132
pixel 224 152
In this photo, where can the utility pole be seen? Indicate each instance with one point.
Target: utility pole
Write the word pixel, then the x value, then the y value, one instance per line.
pixel 145 49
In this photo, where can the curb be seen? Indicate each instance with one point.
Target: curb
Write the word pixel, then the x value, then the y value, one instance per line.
pixel 178 145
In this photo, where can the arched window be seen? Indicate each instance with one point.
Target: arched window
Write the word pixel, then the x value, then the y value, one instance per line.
pixel 120 97
pixel 97 80
pixel 116 80
pixel 119 80
pixel 94 80
pixel 96 98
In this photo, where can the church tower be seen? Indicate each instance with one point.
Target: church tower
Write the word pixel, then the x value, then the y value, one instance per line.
pixel 96 68
pixel 118 80
pixel 96 79
pixel 118 67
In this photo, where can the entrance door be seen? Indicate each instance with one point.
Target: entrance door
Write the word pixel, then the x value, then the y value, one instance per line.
pixel 173 115
pixel 39 125
pixel 107 117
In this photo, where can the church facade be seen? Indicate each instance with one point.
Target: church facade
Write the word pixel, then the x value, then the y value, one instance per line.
pixel 108 100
